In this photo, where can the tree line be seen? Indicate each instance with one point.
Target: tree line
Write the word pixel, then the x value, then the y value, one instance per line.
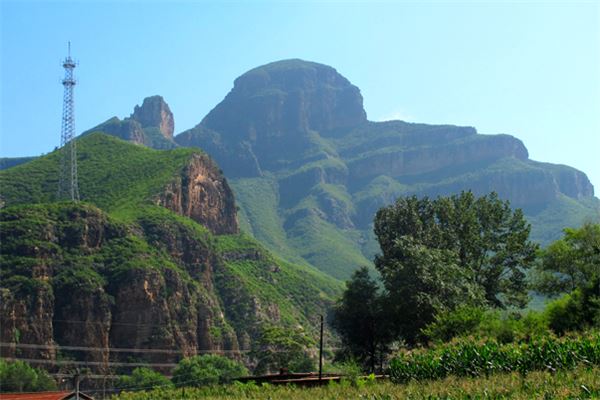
pixel 447 264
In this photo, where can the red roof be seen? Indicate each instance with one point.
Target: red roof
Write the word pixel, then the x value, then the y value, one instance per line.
pixel 41 396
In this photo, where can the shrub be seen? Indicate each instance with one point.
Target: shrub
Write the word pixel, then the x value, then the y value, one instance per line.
pixel 207 370
pixel 576 311
pixel 144 379
pixel 18 376
pixel 486 324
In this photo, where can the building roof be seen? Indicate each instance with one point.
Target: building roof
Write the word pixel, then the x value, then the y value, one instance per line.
pixel 44 396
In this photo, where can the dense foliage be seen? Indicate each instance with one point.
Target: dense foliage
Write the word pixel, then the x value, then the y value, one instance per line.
pixel 438 254
pixel 143 378
pixel 207 370
pixel 483 324
pixel 571 262
pixel 18 376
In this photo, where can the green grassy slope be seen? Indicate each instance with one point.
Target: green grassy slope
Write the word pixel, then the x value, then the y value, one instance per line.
pixel 115 175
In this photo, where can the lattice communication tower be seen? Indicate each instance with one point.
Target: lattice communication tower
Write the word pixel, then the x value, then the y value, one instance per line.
pixel 68 188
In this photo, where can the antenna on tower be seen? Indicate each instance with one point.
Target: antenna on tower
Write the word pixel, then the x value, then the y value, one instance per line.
pixel 68 187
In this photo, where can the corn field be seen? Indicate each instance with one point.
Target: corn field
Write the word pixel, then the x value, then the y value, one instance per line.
pixel 468 358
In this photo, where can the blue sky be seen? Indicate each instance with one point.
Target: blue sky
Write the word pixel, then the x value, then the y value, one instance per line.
pixel 531 68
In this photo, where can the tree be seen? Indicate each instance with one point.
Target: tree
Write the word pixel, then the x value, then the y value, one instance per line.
pixel 437 254
pixel 207 370
pixel 571 262
pixel 278 347
pixel 359 320
pixel 144 379
pixel 18 376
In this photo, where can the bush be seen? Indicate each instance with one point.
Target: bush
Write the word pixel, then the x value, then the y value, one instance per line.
pixel 576 311
pixel 462 321
pixel 18 376
pixel 207 370
pixel 144 379
pixel 486 324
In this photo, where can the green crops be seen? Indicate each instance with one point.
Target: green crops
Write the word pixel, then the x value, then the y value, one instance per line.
pixel 468 358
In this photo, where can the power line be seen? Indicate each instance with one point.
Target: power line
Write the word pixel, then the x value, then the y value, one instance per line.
pixel 132 350
pixel 113 349
pixel 91 363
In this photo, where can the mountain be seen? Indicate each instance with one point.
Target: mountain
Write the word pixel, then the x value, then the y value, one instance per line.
pixel 152 258
pixel 309 169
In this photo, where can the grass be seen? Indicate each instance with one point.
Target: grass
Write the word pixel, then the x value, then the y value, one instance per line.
pixel 581 383
pixel 564 212
pixel 114 175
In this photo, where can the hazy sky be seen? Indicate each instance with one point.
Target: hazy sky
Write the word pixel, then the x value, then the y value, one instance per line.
pixel 527 68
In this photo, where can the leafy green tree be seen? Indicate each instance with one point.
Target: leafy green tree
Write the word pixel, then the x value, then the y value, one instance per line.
pixel 144 379
pixel 279 347
pixel 207 370
pixel 18 376
pixel 571 262
pixel 360 321
pixel 437 254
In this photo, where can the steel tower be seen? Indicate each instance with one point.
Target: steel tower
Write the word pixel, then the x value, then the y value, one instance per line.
pixel 67 184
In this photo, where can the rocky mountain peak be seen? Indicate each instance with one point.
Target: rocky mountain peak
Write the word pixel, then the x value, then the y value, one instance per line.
pixel 155 112
pixel 289 97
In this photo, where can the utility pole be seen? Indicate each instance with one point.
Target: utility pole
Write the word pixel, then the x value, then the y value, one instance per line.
pixel 321 351
pixel 76 380
pixel 68 187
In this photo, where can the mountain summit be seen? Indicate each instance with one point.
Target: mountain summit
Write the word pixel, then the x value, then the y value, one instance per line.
pixel 287 98
pixel 275 113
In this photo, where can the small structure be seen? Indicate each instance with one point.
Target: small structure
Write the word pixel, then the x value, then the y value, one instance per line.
pixel 64 395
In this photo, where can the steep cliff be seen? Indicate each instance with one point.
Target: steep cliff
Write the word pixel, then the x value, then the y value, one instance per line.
pixel 152 259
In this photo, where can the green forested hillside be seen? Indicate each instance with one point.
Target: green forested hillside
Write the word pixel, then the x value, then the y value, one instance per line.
pixel 123 258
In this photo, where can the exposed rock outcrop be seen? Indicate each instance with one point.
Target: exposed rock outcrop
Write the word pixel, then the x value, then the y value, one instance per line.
pixel 202 193
pixel 151 124
pixel 155 112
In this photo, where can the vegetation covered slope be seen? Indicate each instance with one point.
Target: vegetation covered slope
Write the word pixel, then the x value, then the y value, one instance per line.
pixel 134 263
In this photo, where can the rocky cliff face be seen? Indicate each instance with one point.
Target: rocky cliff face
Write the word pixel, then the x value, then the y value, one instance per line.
pixel 202 194
pixel 120 301
pixel 155 112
